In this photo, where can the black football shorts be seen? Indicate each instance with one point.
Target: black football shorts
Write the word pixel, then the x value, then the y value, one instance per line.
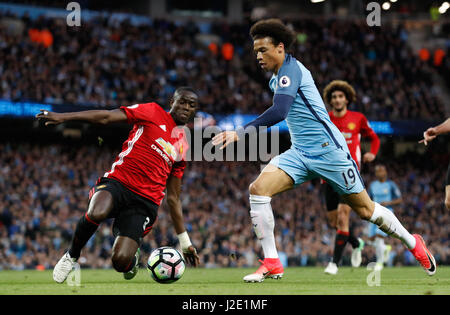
pixel 332 198
pixel 134 215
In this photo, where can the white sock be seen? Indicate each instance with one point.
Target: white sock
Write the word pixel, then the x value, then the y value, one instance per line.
pixel 389 224
pixel 264 224
pixel 379 249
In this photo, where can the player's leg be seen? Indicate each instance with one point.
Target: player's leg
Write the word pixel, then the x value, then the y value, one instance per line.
pixel 380 216
pixel 100 206
pixel 339 169
pixel 125 254
pixel 130 226
pixel 388 223
pixel 280 175
pixel 342 235
pixel 270 182
pixel 332 202
pixel 379 251
pixel 345 233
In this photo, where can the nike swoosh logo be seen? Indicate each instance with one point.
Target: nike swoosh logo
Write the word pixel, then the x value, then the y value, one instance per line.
pixel 432 265
pixel 265 274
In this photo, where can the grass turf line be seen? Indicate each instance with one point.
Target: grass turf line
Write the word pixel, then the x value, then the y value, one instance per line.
pixel 228 281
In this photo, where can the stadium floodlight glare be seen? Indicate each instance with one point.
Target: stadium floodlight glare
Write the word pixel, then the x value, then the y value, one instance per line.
pixel 393 1
pixel 317 1
pixel 386 6
pixel 444 7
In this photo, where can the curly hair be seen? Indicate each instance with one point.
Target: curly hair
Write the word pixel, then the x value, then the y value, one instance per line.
pixel 339 85
pixel 276 30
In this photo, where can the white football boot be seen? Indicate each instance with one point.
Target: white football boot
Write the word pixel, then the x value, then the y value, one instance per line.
pixel 356 254
pixel 331 269
pixel 63 268
pixel 270 268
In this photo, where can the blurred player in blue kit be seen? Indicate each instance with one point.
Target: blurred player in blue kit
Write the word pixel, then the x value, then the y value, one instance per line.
pixel 387 194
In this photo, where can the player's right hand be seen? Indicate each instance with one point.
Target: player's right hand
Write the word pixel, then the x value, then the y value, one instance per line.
pixel 191 256
pixel 225 138
pixel 50 118
pixel 428 136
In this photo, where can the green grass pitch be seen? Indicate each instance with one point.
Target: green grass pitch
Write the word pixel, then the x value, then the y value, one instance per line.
pixel 201 281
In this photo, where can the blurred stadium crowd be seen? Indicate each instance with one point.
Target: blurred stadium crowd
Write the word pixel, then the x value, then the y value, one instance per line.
pixel 44 191
pixel 105 63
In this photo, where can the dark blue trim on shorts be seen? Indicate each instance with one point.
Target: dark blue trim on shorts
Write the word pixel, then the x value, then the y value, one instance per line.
pixel 305 100
pixel 357 170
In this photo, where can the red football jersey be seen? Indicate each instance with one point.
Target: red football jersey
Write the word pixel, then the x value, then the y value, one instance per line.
pixel 154 150
pixel 353 125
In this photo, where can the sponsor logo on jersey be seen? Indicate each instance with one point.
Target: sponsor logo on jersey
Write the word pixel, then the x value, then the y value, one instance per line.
pixel 162 154
pixel 347 135
pixel 168 148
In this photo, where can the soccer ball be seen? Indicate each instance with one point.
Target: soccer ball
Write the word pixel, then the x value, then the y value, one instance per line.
pixel 166 265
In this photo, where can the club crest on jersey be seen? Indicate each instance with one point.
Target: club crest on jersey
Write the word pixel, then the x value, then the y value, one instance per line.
pixel 168 148
pixel 284 82
pixel 351 126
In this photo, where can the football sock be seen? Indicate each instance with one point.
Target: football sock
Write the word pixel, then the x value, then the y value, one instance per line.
pixel 352 239
pixel 389 224
pixel 339 245
pixel 86 227
pixel 263 224
pixel 379 249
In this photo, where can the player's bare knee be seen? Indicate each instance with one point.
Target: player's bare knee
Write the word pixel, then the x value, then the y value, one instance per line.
pixel 365 213
pixel 332 224
pixel 120 261
pixel 255 189
pixel 342 219
pixel 332 221
pixel 100 206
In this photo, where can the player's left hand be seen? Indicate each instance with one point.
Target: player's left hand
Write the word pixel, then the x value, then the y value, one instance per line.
pixel 368 157
pixel 225 138
pixel 191 256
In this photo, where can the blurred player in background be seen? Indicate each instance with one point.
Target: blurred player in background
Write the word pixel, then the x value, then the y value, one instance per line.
pixel 318 150
pixel 151 161
pixel 429 135
pixel 387 194
pixel 353 125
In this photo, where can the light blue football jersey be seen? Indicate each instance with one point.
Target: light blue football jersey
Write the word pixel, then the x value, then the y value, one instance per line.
pixel 384 191
pixel 310 127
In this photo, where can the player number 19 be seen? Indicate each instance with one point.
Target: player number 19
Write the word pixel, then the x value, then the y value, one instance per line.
pixel 350 175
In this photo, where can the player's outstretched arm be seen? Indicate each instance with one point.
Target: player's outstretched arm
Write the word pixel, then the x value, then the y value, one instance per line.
pixel 276 113
pixel 92 116
pixel 176 213
pixel 433 132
